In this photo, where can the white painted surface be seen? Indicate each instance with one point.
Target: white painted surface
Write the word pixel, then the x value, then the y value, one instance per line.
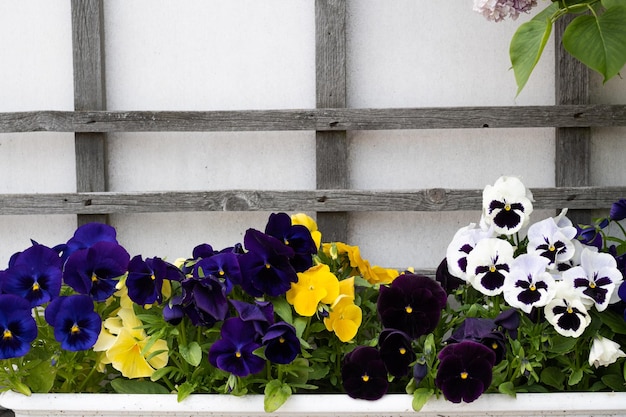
pixel 250 54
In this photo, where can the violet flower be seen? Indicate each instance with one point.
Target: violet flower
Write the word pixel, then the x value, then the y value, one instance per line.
pixel 297 237
pixel 364 374
pixel 234 352
pixel 17 326
pixel 76 324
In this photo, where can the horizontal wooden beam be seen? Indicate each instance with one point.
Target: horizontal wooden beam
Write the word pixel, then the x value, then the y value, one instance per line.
pixel 437 199
pixel 323 119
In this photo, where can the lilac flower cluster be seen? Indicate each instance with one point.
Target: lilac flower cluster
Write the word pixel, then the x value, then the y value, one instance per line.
pixel 497 10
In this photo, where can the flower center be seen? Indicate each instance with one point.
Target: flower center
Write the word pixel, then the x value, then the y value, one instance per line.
pixel 267 266
pixel 238 354
pixel 36 286
pixel 464 375
pixel 221 273
pixel 570 310
pixel 551 248
pixel 75 329
pixel 408 309
pixel 494 346
pixel 507 207
pixel 365 377
pixel 281 339
pixel 492 268
pixel 402 351
pixel 7 334
pixel 152 277
pixel 94 278
pixel 532 287
pixel 592 285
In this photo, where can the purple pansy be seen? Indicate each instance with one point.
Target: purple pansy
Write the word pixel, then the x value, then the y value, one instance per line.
pixel 396 351
pixel 234 351
pixel 618 210
pixel 297 237
pixel 204 300
pixel 281 343
pixel 145 279
pixel 364 374
pixel 86 236
pixel 76 324
pixel 17 326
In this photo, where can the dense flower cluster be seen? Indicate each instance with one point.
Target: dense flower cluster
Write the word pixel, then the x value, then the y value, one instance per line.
pixel 498 10
pixel 515 307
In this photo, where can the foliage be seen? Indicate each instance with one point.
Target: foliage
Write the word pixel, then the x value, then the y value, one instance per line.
pixel 514 308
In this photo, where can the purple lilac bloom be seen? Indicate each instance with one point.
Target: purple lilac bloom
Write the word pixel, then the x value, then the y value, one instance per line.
pixel 76 324
pixel 95 271
pixel 364 374
pixel 34 274
pixel 234 352
pixel 145 279
pixel 396 352
pixel 281 343
pixel 465 370
pixel 297 237
pixel 412 304
pixel 497 10
pixel 17 326
pixel 266 268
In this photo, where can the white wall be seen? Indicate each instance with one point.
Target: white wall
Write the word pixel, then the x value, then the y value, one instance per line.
pixel 260 54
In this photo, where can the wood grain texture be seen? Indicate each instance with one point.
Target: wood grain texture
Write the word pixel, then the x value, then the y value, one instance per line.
pixel 573 144
pixel 331 151
pixel 322 201
pixel 321 119
pixel 89 94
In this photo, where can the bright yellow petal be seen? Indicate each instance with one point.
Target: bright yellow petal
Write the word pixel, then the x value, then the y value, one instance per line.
pixel 380 275
pixel 105 340
pixel 125 356
pixel 346 287
pixel 132 323
pixel 347 325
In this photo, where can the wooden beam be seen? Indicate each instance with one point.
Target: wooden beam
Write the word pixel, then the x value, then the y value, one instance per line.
pixel 573 144
pixel 322 201
pixel 322 119
pixel 331 146
pixel 89 94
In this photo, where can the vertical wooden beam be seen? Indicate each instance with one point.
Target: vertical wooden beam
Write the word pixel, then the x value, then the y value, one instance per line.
pixel 331 147
pixel 89 94
pixel 572 158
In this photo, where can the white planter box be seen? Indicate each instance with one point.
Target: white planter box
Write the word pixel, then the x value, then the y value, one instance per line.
pixel 397 405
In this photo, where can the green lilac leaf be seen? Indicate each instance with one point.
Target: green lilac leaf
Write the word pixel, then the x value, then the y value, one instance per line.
pixel 276 393
pixel 528 44
pixel 421 397
pixel 599 41
pixel 133 386
pixel 191 353
pixel 552 376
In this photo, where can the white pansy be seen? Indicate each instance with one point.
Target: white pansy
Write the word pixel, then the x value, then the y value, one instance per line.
pixel 462 244
pixel 566 311
pixel 489 264
pixel 604 352
pixel 547 239
pixel 528 284
pixel 507 205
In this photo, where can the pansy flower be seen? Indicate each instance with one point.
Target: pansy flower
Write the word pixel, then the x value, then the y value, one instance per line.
pixel 234 351
pixel 204 300
pixel 260 314
pixel 465 370
pixel 296 236
pixel 34 274
pixel 364 374
pixel 309 223
pixel 463 242
pixel 566 311
pixel 448 281
pixel 618 210
pixel 489 264
pixel 411 303
pixel 547 239
pixel 344 318
pixel 528 284
pixel 396 351
pixel 595 279
pixel 76 324
pixel 266 267
pixel 604 352
pixel 590 234
pixel 145 279
pixel 484 331
pixel 223 265
pixel 17 326
pixel 507 205
pixel 86 236
pixel 314 286
pixel 281 343
pixel 95 271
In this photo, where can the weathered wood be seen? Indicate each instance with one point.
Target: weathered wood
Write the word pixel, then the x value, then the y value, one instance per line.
pixel 89 94
pixel 331 147
pixel 321 119
pixel 322 201
pixel 573 156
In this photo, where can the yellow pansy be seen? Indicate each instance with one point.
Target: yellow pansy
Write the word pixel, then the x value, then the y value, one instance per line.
pixel 344 318
pixel 309 223
pixel 315 285
pixel 346 287
pixel 380 275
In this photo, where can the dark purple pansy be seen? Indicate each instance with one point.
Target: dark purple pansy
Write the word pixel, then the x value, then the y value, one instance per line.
pixel 465 371
pixel 86 236
pixel 205 296
pixel 364 374
pixel 76 324
pixel 618 210
pixel 95 271
pixel 261 313
pixel 34 274
pixel 484 331
pixel 448 281
pixel 17 326
pixel 297 237
pixel 281 343
pixel 224 266
pixel 412 304
pixel 265 268
pixel 420 370
pixel 173 311
pixel 145 279
pixel 589 235
pixel 234 351
pixel 396 351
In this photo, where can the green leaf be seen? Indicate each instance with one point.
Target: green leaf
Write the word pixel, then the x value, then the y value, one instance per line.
pixel 575 377
pixel 528 43
pixel 185 390
pixel 276 393
pixel 507 388
pixel 599 40
pixel 561 344
pixel 283 309
pixel 134 386
pixel 192 353
pixel 553 377
pixel 615 382
pixel 612 3
pixel 41 377
pixel 613 321
pixel 421 397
